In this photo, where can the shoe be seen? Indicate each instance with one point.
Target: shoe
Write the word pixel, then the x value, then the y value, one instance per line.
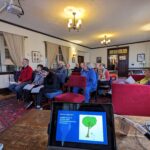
pixel 28 105
pixel 39 107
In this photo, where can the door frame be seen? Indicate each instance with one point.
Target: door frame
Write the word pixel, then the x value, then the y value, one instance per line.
pixel 118 48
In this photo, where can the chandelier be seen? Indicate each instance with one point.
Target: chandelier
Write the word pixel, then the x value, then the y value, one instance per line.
pixel 74 23
pixel 105 41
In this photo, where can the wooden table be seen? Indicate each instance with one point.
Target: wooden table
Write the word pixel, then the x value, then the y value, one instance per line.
pixel 30 133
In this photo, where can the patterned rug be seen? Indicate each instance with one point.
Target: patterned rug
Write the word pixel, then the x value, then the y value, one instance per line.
pixel 10 111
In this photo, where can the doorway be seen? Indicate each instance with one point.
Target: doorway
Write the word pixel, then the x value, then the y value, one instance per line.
pixel 80 59
pixel 118 59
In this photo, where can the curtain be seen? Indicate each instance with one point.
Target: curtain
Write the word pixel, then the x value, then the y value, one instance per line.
pixel 52 51
pixel 65 53
pixel 15 45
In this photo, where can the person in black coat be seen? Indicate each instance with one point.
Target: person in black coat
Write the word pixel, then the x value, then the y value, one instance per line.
pixel 77 68
pixel 51 84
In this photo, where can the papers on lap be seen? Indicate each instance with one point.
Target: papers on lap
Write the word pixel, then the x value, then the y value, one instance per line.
pixel 11 82
pixel 37 89
pixel 28 87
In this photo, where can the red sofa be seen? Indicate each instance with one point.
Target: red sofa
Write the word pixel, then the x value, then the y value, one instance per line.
pixel 131 99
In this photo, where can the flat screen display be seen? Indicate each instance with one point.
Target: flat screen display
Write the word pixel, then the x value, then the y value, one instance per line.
pixel 81 127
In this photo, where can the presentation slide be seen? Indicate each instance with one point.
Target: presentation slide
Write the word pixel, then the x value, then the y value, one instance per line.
pixel 82 127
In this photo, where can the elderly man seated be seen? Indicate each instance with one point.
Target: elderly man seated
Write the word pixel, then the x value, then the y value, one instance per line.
pixel 24 79
pixel 61 72
pixel 91 81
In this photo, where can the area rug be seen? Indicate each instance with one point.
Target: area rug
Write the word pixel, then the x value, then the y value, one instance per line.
pixel 10 111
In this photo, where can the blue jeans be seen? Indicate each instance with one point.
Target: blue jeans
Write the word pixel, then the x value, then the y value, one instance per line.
pixel 87 92
pixel 18 88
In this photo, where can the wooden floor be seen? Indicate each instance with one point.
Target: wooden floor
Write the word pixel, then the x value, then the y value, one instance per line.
pixel 30 133
pixel 6 96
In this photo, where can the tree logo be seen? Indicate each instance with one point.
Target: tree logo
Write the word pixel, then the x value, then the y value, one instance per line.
pixel 89 122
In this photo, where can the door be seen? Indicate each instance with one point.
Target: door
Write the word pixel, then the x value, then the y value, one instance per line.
pixel 122 65
pixel 118 59
pixel 80 59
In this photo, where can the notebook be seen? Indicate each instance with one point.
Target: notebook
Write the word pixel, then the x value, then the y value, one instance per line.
pixel 81 127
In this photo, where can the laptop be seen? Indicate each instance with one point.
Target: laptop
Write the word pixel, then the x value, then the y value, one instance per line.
pixel 81 127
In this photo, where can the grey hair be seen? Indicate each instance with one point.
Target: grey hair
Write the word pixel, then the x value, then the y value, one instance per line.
pixel 89 65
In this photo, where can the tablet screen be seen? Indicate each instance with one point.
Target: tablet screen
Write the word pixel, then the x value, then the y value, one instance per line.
pixel 81 127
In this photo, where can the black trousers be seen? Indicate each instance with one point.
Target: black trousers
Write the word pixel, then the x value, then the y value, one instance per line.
pixel 41 95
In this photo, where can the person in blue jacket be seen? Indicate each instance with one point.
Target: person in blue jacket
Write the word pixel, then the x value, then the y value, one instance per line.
pixel 91 81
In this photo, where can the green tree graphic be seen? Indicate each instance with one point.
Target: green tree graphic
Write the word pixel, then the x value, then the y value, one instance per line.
pixel 89 122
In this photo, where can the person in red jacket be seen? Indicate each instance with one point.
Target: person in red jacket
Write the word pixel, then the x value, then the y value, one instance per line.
pixel 24 78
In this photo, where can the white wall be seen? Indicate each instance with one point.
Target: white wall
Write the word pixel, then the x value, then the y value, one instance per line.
pixel 134 49
pixel 85 54
pixel 35 42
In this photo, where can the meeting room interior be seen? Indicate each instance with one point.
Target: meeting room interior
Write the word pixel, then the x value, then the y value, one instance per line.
pixel 70 65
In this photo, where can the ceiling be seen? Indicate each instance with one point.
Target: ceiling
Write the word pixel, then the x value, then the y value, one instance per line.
pixel 123 19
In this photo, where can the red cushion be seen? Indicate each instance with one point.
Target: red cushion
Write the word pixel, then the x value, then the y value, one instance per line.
pixel 77 81
pixel 137 77
pixel 131 99
pixel 76 73
pixel 70 97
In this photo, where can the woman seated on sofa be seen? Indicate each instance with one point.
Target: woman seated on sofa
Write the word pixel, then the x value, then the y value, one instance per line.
pixel 146 79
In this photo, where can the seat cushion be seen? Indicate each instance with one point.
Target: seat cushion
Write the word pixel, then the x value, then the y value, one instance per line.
pixel 70 97
pixel 53 94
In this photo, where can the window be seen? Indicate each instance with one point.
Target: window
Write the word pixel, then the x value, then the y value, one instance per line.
pixel 6 63
pixel 59 57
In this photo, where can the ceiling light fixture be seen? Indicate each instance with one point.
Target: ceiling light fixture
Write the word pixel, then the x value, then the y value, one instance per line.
pixel 106 40
pixel 74 23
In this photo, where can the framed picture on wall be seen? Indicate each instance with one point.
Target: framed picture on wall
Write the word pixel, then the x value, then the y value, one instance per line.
pixel 36 57
pixel 98 59
pixel 140 57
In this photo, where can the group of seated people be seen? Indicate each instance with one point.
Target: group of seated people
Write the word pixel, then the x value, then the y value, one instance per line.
pixel 45 80
pixel 38 82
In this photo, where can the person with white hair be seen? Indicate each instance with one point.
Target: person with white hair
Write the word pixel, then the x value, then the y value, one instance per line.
pixel 61 72
pixel 91 81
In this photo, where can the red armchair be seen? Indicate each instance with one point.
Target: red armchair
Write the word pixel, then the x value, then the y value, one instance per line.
pixel 74 81
pixel 131 99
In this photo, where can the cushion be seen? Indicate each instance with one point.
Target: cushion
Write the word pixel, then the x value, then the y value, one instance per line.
pixel 130 80
pixel 70 97
pixel 53 94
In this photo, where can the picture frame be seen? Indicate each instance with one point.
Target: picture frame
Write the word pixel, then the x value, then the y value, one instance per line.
pixel 98 59
pixel 36 57
pixel 140 57
pixel 73 60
